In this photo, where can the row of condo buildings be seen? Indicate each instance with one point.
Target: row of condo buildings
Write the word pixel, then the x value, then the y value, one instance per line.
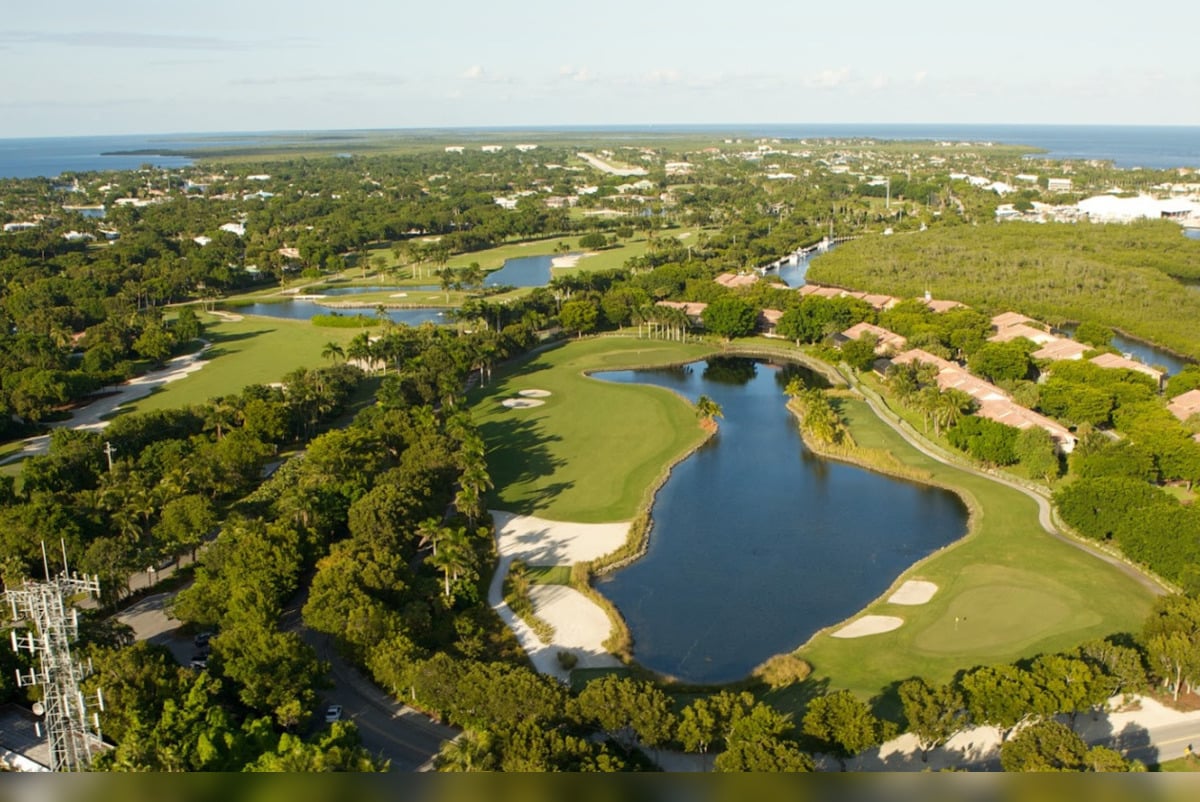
pixel 993 403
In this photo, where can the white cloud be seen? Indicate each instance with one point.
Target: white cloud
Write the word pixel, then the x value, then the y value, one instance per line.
pixel 919 77
pixel 663 76
pixel 580 74
pixel 828 79
pixel 473 73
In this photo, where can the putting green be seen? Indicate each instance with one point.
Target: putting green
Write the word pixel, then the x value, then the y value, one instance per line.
pixel 999 615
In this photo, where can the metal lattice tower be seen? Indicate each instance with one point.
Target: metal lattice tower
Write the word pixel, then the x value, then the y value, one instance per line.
pixel 51 628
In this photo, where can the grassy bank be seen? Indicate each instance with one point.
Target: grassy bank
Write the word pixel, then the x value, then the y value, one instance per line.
pixel 1006 591
pixel 591 451
pixel 250 351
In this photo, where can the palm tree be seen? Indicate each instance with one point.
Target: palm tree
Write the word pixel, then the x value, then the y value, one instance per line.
pixel 473 275
pixel 795 387
pixel 456 558
pixel 429 533
pixel 446 277
pixel 950 407
pixel 708 410
pixel 819 418
pixel 333 351
pixel 473 483
pixel 927 401
pixel 470 751
pixel 359 350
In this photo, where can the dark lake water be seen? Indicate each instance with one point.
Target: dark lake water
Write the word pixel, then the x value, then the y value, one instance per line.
pixel 304 310
pixel 523 271
pixel 757 543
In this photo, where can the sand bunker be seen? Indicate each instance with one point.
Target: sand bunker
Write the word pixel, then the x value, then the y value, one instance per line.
pixel 522 403
pixel 398 295
pixel 869 625
pixel 914 591
pixel 569 260
pixel 534 393
pixel 538 541
pixel 578 623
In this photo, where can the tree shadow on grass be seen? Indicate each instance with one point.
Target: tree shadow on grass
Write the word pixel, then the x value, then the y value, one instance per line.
pixel 794 698
pixel 518 453
pixel 217 339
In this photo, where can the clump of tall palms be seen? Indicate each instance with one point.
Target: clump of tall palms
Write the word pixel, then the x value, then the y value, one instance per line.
pixel 818 418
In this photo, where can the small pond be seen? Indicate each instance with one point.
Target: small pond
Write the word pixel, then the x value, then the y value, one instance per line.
pixel 305 310
pixel 756 542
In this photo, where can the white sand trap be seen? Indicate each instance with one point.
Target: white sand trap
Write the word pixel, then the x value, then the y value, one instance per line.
pixel 534 393
pixel 914 591
pixel 398 295
pixel 541 542
pixel 869 625
pixel 579 625
pixel 570 259
pixel 522 403
pixel 577 622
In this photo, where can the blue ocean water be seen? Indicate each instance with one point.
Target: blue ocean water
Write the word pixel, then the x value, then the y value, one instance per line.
pixel 1157 147
pixel 52 156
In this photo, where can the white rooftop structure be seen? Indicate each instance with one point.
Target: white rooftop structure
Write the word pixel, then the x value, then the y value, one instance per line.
pixel 1110 208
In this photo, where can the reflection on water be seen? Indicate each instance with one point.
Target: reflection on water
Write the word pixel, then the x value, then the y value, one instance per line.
pixel 305 310
pixel 756 543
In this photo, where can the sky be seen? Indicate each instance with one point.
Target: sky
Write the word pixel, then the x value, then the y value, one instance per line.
pixel 161 66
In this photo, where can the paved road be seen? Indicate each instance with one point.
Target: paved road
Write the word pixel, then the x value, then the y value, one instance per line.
pixel 92 415
pixel 389 730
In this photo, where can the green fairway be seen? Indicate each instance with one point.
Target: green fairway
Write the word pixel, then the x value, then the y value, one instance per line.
pixel 256 350
pixel 594 449
pixel 1007 591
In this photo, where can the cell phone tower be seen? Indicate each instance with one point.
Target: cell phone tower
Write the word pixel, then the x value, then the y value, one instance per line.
pixel 51 626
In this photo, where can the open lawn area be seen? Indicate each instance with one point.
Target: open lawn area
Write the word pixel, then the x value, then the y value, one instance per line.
pixel 590 453
pixel 1007 591
pixel 255 350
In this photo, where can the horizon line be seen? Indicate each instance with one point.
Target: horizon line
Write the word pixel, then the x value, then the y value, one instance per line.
pixel 663 127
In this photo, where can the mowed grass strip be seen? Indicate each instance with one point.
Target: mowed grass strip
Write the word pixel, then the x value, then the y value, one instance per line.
pixel 592 452
pixel 255 350
pixel 1007 591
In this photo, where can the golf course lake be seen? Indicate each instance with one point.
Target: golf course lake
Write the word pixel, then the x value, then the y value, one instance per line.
pixel 298 309
pixel 757 543
pixel 521 271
